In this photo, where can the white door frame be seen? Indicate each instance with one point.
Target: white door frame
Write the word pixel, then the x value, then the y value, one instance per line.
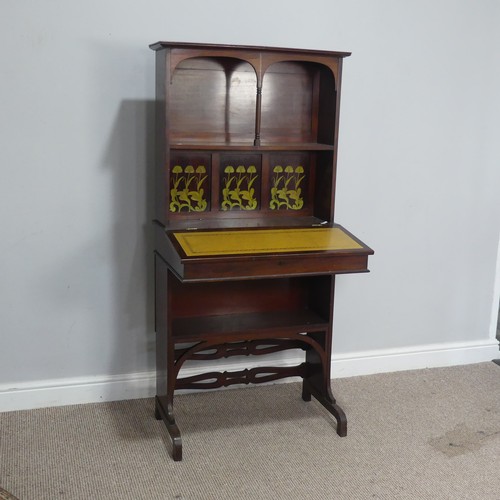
pixel 495 306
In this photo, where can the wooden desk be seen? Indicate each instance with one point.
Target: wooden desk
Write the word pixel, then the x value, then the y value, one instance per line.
pixel 246 245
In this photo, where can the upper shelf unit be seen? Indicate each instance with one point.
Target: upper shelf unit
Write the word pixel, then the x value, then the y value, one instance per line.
pixel 225 97
pixel 246 132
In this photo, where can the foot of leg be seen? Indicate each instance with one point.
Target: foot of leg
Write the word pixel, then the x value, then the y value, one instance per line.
pixel 306 394
pixel 173 430
pixel 339 415
pixel 325 397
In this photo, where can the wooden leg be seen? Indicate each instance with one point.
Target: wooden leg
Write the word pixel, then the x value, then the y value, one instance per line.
pixel 325 397
pixel 318 356
pixel 165 374
pixel 317 383
pixel 173 431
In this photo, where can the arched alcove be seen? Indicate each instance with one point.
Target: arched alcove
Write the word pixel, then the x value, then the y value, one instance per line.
pixel 298 103
pixel 217 106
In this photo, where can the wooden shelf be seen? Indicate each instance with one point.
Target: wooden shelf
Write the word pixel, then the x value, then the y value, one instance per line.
pixel 247 325
pixel 283 220
pixel 241 146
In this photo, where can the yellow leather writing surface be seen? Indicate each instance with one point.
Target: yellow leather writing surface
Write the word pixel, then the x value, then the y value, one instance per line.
pixel 261 241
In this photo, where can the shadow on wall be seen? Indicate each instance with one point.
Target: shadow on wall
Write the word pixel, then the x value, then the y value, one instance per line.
pixel 130 156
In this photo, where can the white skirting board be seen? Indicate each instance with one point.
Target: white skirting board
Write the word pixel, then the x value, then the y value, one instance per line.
pixel 69 391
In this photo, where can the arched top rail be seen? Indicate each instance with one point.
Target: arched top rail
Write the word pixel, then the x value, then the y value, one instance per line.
pixel 260 58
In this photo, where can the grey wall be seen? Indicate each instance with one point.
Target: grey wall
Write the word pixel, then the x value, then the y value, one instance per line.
pixel 419 171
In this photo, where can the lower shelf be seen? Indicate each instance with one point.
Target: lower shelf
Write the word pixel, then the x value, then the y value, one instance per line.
pixel 256 325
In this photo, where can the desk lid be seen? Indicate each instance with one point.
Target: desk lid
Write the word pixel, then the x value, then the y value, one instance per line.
pixel 242 253
pixel 264 241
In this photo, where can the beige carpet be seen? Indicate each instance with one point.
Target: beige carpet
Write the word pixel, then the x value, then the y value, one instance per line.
pixel 5 495
pixel 426 434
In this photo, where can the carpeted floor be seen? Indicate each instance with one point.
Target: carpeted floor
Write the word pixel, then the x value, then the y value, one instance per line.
pixel 5 495
pixel 425 434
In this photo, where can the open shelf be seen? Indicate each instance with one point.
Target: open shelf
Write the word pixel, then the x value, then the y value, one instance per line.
pixel 247 325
